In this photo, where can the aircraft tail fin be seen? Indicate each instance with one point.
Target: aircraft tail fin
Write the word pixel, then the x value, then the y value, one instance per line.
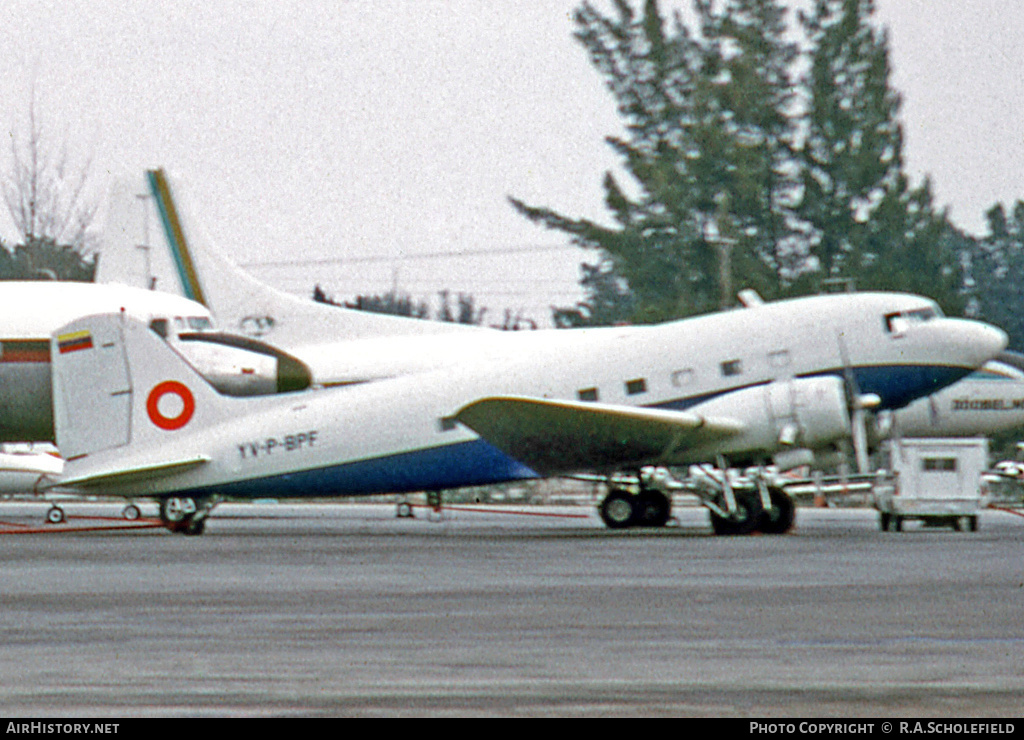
pixel 184 260
pixel 119 388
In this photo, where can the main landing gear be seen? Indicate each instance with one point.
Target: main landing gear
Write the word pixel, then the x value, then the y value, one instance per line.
pixel 736 505
pixel 621 509
pixel 185 514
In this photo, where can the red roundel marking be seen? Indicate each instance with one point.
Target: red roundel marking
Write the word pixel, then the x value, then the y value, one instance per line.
pixel 188 405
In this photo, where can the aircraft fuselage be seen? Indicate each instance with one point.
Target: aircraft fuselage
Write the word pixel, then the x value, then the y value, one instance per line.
pixel 398 434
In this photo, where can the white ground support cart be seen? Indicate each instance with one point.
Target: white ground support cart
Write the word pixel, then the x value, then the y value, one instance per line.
pixel 936 481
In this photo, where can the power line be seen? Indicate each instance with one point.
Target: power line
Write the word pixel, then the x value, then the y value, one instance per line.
pixel 419 256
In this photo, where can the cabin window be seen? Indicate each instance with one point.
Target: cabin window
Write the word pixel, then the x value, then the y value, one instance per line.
pixel 682 378
pixel 634 387
pixel 587 394
pixel 939 465
pixel 732 367
pixel 779 358
pixel 447 423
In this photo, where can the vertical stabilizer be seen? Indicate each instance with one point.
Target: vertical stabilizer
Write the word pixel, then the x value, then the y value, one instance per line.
pixel 119 387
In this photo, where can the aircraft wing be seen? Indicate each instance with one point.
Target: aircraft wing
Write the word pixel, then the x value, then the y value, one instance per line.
pixel 560 437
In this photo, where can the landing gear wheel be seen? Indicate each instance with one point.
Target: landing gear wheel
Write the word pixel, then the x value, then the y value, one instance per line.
pixel 744 520
pixel 184 515
pixel 883 521
pixel 55 515
pixel 174 509
pixel 653 509
pixel 192 527
pixel 780 517
pixel 619 509
pixel 130 512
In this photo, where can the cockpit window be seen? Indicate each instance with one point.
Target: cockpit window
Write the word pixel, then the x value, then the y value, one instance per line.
pixel 160 327
pixel 897 323
pixel 199 323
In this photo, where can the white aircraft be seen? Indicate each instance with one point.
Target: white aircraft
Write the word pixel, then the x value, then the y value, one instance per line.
pixel 988 401
pixel 134 419
pixel 26 471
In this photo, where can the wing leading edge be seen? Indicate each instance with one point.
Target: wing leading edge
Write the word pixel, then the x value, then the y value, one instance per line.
pixel 561 437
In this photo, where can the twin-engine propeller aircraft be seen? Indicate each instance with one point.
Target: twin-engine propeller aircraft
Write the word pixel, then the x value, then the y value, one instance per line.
pixel 338 346
pixel 134 419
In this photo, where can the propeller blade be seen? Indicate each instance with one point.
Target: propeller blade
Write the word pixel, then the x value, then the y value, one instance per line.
pixel 860 439
pixel 857 403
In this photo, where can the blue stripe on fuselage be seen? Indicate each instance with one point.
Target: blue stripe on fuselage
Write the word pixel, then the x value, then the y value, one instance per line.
pixel 895 386
pixel 473 463
pixel 898 386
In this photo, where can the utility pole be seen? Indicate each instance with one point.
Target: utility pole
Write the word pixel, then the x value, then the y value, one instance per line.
pixel 725 243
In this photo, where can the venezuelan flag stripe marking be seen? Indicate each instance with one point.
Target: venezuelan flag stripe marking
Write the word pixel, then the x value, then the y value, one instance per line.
pixel 74 341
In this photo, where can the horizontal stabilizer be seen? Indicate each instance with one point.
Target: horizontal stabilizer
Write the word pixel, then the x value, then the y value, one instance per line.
pixel 124 476
pixel 560 437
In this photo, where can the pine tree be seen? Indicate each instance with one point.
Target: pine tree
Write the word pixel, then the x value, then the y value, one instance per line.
pixel 707 145
pixel 657 247
pixel 854 142
pixel 996 267
pixel 747 88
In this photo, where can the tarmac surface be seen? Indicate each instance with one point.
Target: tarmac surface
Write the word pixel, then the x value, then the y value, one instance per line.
pixel 346 610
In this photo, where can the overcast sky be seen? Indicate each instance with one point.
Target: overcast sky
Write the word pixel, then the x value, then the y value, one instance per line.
pixel 376 131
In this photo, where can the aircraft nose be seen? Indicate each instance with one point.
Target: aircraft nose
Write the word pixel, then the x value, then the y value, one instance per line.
pixel 982 341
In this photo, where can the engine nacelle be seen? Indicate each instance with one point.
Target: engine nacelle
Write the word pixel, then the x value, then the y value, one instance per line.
pixel 240 366
pixel 788 414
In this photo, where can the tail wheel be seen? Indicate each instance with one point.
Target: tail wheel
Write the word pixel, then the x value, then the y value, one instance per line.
pixel 55 515
pixel 192 526
pixel 184 515
pixel 176 509
pixel 619 509
pixel 130 512
pixel 744 520
pixel 780 517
